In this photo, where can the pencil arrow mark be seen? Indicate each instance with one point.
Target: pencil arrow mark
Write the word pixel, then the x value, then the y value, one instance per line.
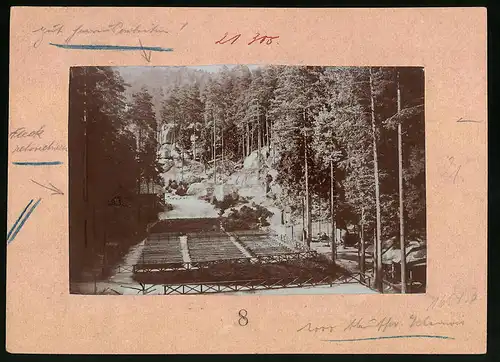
pixel 55 190
pixel 145 54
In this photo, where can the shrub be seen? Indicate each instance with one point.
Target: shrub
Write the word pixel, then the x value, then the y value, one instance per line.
pixel 229 201
pixel 247 218
pixel 172 184
pixel 181 190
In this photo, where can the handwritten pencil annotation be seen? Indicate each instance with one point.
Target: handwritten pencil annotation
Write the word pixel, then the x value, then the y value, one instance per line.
pixel 33 135
pixel 118 28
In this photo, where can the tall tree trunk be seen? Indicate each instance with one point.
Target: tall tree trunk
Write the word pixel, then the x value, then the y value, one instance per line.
pixel 251 139
pixel 308 198
pixel 174 134
pixel 222 146
pixel 141 171
pixel 259 143
pixel 362 242
pixel 266 122
pixel 263 132
pixel 401 204
pixel 215 152
pixel 303 220
pixel 268 132
pixel 378 241
pixel 271 140
pixel 243 151
pixel 332 209
pixel 248 140
pixel 259 131
pixel 86 145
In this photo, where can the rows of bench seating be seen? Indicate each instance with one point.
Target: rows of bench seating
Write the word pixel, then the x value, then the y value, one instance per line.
pixel 262 244
pixel 212 246
pixel 162 248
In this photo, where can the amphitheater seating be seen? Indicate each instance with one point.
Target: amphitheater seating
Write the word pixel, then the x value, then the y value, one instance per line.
pixel 205 243
pixel 261 244
pixel 210 246
pixel 162 248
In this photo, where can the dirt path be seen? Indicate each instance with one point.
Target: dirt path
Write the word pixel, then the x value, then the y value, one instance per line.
pixel 187 207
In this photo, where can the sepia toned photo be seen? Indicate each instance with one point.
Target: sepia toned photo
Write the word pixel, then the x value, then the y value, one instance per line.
pixel 247 180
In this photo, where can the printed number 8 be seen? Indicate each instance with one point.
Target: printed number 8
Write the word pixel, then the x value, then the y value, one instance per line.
pixel 243 321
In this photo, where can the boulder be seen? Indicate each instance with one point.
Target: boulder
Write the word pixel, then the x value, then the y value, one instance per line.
pixel 197 189
pixel 224 190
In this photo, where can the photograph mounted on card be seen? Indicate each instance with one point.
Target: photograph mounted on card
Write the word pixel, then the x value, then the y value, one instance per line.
pixel 247 180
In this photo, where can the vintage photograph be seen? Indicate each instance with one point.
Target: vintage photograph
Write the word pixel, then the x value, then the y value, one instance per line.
pixel 247 180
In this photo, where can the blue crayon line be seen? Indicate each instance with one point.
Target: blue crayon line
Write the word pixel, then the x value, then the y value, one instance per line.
pixel 23 221
pixel 42 163
pixel 111 47
pixel 18 219
pixel 387 337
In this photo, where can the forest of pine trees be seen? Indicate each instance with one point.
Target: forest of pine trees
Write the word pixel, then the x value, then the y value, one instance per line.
pixel 339 114
pixel 112 161
pixel 352 125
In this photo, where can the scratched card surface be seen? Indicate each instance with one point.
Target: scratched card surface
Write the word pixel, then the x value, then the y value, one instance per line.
pixel 247 181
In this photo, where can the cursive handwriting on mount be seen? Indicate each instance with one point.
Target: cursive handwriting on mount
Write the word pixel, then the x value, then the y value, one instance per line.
pixel 428 322
pixel 49 146
pixel 54 29
pixel 414 322
pixel 381 325
pixel 23 132
pixel 32 135
pixel 309 328
pixel 118 28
